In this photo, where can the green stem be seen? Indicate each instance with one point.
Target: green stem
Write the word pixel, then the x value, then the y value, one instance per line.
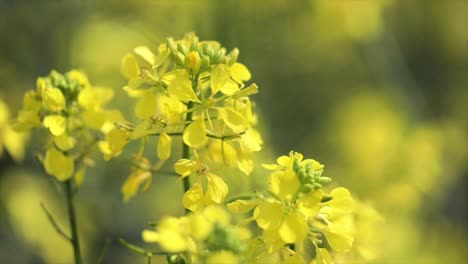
pixel 186 151
pixel 73 224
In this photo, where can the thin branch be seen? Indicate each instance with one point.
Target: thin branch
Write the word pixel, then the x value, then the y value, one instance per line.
pixel 140 250
pixel 103 251
pixel 54 224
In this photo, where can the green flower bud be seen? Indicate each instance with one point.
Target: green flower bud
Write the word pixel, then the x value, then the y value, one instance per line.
pixel 205 62
pixel 234 54
pixel 306 188
pixel 317 186
pixel 176 259
pixel 296 165
pixel 324 180
pixel 171 44
pixel 223 238
pixel 182 48
pixel 180 59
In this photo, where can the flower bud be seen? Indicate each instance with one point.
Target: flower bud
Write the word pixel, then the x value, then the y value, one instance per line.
pixel 234 54
pixel 180 58
pixel 182 48
pixel 193 61
pixel 205 62
pixel 324 180
pixel 306 188
pixel 176 259
pixel 250 90
pixel 296 165
pixel 172 45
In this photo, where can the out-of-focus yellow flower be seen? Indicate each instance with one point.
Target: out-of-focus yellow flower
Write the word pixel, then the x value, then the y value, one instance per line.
pixel 206 235
pixel 11 140
pixel 225 257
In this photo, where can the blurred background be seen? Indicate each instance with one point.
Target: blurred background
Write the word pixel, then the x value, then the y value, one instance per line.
pixel 377 90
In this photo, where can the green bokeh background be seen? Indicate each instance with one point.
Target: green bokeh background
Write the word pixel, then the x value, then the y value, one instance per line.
pixel 377 90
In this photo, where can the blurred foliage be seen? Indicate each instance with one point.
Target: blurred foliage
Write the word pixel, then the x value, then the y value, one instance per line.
pixel 382 85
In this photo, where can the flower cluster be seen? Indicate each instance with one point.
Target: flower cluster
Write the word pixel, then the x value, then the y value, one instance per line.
pixel 206 236
pixel 190 89
pixel 195 91
pixel 72 111
pixel 296 209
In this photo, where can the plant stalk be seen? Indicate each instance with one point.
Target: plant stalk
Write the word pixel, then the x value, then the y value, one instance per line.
pixel 73 223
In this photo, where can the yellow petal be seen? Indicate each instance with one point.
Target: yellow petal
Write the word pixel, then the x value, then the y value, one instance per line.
pixel 150 236
pixel 233 119
pixel 293 228
pixel 195 134
pixel 53 99
pixel 219 77
pixel 95 97
pixel 185 167
pixel 146 106
pixel 117 140
pixel 193 199
pixel 222 151
pixel 171 235
pixel 242 206
pixel 58 165
pixel 134 181
pixel 246 166
pixel 145 53
pixel 309 204
pixel 284 184
pixel 56 124
pixel 164 146
pixel 323 256
pixel 341 204
pixel 181 88
pixel 129 67
pixel 230 87
pixel 240 72
pixel 340 233
pixel 216 191
pixel 64 142
pixel 268 215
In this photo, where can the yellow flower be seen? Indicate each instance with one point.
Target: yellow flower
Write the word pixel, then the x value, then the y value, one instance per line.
pixel 11 140
pixel 170 235
pixel 195 198
pixel 141 175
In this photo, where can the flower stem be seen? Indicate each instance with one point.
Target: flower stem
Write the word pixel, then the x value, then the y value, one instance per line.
pixel 73 224
pixel 186 151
